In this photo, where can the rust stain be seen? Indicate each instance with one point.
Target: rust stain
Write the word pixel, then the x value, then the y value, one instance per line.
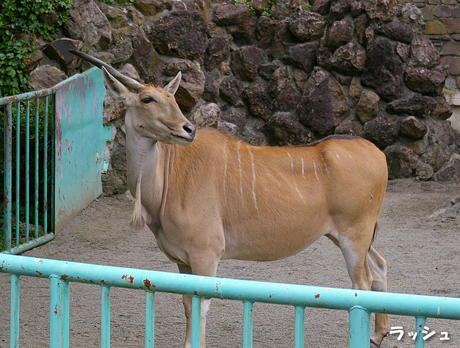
pixel 64 277
pixel 317 295
pixel 55 310
pixel 39 272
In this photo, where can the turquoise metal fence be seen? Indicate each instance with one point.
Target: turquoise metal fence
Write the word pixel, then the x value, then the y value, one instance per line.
pixel 359 304
pixel 28 141
pixel 53 144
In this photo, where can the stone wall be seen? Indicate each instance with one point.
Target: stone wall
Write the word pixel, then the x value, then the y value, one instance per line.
pixel 443 28
pixel 341 67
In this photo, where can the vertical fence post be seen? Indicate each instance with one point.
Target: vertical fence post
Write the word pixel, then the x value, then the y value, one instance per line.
pixel 248 324
pixel 14 316
pixel 196 321
pixel 45 170
pixel 150 320
pixel 360 328
pixel 420 323
pixel 8 155
pixel 59 312
pixel 105 317
pixel 18 170
pixel 27 173
pixel 37 178
pixel 299 327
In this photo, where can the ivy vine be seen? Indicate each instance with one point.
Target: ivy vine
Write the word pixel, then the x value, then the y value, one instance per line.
pixel 18 17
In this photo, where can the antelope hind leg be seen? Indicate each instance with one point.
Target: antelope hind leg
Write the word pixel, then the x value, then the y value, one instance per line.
pixel 378 267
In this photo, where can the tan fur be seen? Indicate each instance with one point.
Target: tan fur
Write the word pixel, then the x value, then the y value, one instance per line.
pixel 219 197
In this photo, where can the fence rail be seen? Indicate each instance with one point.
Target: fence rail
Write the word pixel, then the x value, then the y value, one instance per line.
pixel 28 147
pixel 360 304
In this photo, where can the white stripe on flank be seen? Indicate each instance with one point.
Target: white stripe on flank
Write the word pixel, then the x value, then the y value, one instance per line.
pixel 241 174
pixel 292 163
pixel 253 181
pixel 303 167
pixel 316 173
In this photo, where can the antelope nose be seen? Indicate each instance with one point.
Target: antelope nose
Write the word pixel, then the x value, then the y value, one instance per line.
pixel 190 129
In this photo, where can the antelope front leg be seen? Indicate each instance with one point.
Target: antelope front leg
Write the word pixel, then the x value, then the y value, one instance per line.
pixel 205 303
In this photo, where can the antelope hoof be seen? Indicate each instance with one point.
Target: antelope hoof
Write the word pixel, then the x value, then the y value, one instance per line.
pixel 375 344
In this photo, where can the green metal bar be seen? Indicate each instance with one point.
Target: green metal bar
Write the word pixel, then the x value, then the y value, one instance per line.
pixel 299 332
pixel 59 312
pixel 196 321
pixel 248 324
pixel 32 244
pixel 105 317
pixel 53 162
pixel 45 170
pixel 150 320
pixel 37 167
pixel 359 333
pixel 18 170
pixel 27 172
pixel 14 312
pixel 420 323
pixel 7 156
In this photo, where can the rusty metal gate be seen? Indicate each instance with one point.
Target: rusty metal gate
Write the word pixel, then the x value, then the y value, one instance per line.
pixel 53 144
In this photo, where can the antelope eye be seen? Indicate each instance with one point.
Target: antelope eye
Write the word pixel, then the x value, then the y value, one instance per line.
pixel 148 100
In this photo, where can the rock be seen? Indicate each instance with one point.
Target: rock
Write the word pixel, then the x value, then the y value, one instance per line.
pixel 58 50
pixel 288 99
pixel 323 57
pixel 349 58
pixel 442 110
pixel 122 51
pixel 354 92
pixel 409 13
pixel 282 41
pixel 284 129
pixel 339 8
pixel 136 17
pixel 45 76
pixel 398 31
pixel 258 100
pixel 130 71
pixel 423 53
pixel 180 34
pixel 340 33
pixel 383 70
pixel 350 127
pixel 229 127
pixel 207 115
pixel 423 171
pixel 361 24
pixel 191 87
pixel 450 171
pixel 266 70
pixel 280 79
pixel 115 180
pixel 439 138
pixel 285 8
pixel 403 51
pixel 234 116
pixel 266 28
pixel 425 81
pixel 417 105
pixel 88 24
pixel 245 62
pixel 368 106
pixel 32 62
pixel 152 7
pixel 380 11
pixel 218 50
pixel 303 56
pixel 307 26
pixel 145 58
pixel 381 131
pixel 413 128
pixel 114 108
pixel 401 161
pixel 238 21
pixel 231 89
pixel 321 6
pixel 324 104
pixel 211 88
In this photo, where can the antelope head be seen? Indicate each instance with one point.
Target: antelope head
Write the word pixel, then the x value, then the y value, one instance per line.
pixel 151 112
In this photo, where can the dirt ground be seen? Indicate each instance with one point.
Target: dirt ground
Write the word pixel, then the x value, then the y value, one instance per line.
pixel 419 237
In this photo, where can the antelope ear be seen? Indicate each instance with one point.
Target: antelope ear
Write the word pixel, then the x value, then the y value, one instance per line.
pixel 114 85
pixel 174 84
